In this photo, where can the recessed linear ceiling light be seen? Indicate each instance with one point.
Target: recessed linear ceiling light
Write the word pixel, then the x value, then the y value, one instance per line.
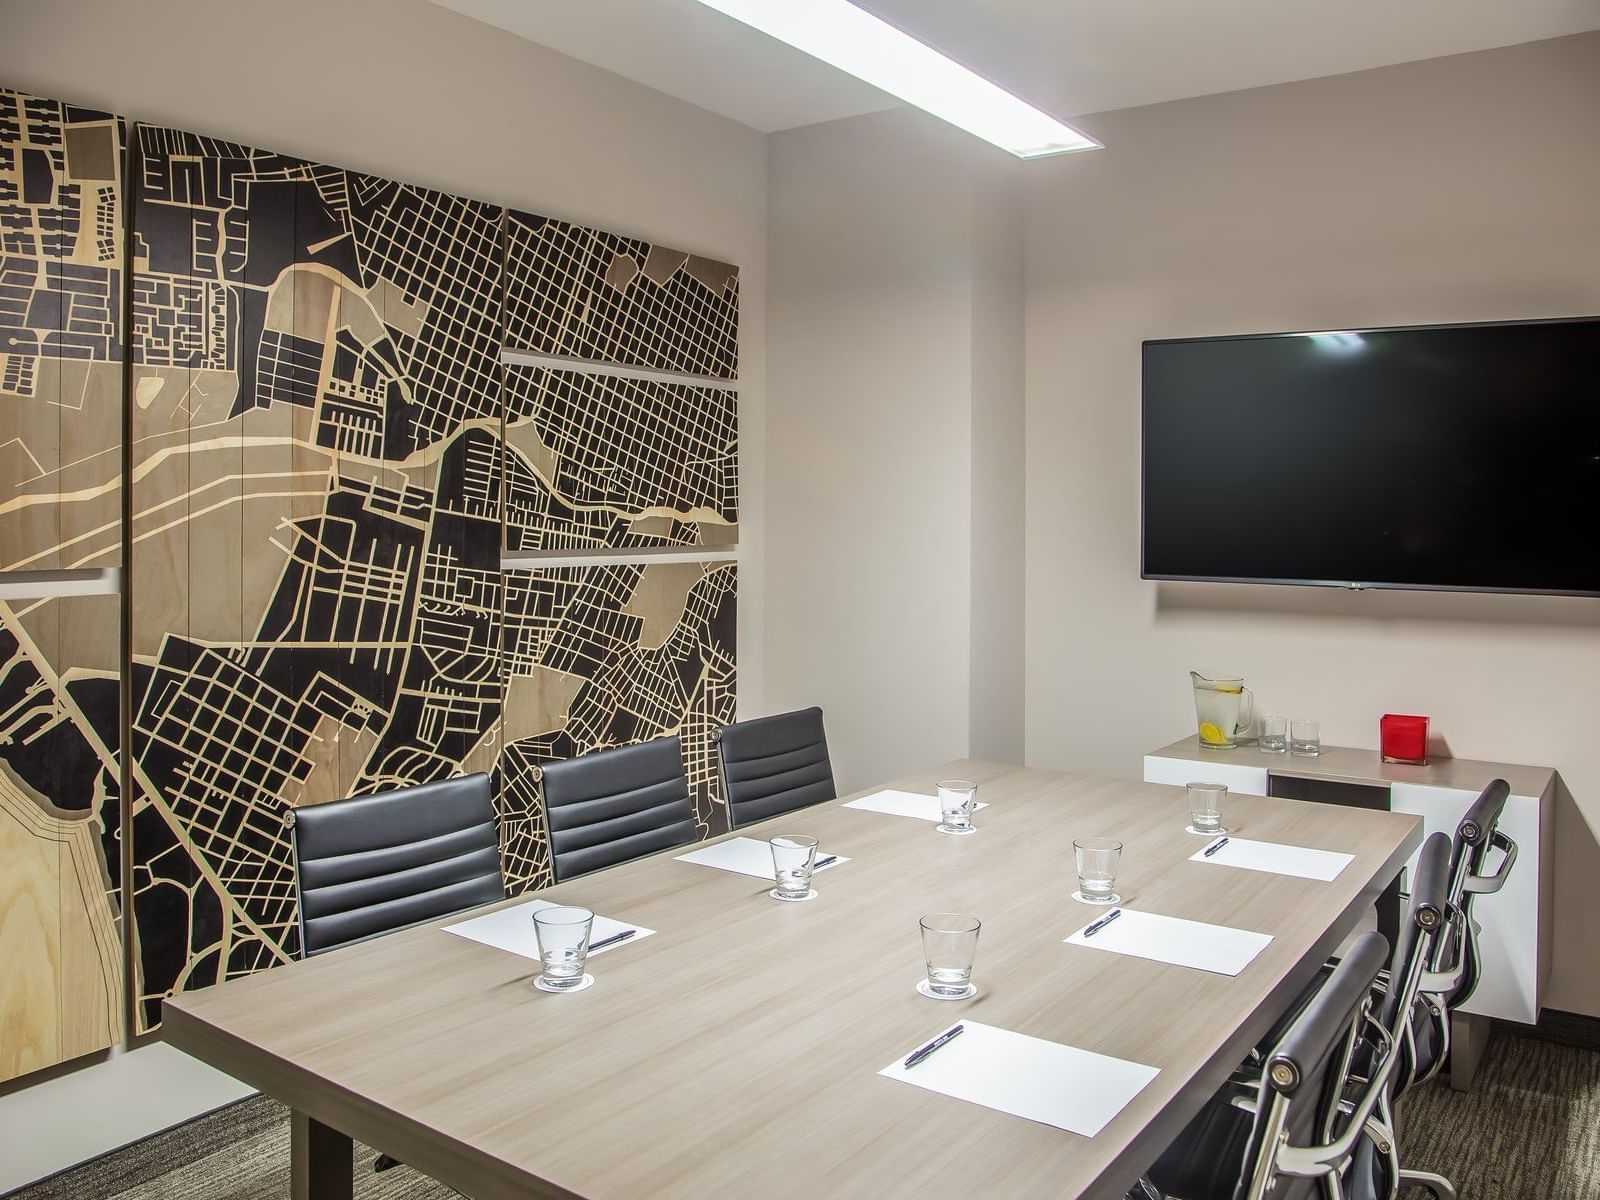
pixel 855 41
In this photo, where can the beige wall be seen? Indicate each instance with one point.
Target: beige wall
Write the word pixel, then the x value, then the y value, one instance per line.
pixel 893 244
pixel 1460 189
pixel 413 91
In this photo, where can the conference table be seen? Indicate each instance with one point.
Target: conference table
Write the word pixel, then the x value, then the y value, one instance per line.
pixel 736 1051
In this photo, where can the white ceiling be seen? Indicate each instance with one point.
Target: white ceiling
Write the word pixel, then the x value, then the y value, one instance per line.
pixel 1068 57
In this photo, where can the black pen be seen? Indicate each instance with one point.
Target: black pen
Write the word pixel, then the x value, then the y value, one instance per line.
pixel 822 862
pixel 612 940
pixel 918 1055
pixel 1103 922
pixel 1215 846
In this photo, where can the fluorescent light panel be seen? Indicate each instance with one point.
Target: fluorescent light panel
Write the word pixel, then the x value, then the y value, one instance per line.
pixel 856 42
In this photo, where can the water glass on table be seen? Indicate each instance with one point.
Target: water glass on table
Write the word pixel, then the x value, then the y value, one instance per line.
pixel 957 800
pixel 1305 738
pixel 563 933
pixel 794 857
pixel 1098 858
pixel 949 946
pixel 1274 737
pixel 1205 807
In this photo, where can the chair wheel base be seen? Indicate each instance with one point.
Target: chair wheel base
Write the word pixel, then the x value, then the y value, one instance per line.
pixel 1438 1185
pixel 385 1162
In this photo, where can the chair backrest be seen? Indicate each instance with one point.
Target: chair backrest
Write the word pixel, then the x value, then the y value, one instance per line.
pixel 375 864
pixel 1425 919
pixel 774 765
pixel 1454 964
pixel 1299 1135
pixel 1477 833
pixel 614 805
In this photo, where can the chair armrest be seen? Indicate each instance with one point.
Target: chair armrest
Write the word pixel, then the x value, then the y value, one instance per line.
pixel 1484 885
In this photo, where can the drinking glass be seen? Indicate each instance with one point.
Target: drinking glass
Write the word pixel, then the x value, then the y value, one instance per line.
pixel 563 933
pixel 1274 734
pixel 1205 808
pixel 949 944
pixel 957 799
pixel 793 857
pixel 1097 869
pixel 1305 738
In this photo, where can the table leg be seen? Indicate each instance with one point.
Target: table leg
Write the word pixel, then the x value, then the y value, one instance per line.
pixel 321 1160
pixel 1389 906
pixel 1469 1036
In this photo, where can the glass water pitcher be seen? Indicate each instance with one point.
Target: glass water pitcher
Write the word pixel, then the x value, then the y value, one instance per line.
pixel 1224 709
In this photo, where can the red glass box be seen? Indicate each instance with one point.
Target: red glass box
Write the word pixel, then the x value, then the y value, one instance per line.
pixel 1403 739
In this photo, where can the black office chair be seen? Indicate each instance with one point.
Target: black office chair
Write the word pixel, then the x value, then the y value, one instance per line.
pixel 1299 1126
pixel 1456 965
pixel 773 765
pixel 375 864
pixel 615 805
pixel 1204 1163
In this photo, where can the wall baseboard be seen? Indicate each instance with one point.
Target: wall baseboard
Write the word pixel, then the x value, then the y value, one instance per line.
pixel 1562 1028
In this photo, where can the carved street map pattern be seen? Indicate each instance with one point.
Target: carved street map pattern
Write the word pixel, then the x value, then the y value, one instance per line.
pixel 604 656
pixel 328 459
pixel 61 255
pixel 598 461
pixel 316 584
pixel 582 293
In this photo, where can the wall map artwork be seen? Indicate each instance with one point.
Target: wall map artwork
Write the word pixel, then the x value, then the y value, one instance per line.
pixel 604 656
pixel 594 461
pixel 581 293
pixel 61 270
pixel 327 458
pixel 316 524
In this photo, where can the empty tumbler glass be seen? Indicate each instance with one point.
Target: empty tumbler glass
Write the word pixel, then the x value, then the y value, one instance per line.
pixel 1205 807
pixel 1305 738
pixel 1097 869
pixel 793 859
pixel 563 933
pixel 949 945
pixel 957 799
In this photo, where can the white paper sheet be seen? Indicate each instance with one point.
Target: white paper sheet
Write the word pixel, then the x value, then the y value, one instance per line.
pixel 1301 861
pixel 512 929
pixel 747 856
pixel 1217 948
pixel 902 804
pixel 1072 1089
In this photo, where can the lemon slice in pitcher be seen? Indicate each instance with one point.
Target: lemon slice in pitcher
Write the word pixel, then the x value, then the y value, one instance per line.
pixel 1212 735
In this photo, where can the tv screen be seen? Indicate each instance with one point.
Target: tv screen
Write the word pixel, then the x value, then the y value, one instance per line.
pixel 1447 456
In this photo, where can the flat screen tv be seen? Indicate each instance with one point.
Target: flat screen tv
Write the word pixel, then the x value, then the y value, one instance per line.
pixel 1462 457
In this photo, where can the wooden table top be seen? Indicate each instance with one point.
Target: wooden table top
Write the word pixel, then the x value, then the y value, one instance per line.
pixel 736 1051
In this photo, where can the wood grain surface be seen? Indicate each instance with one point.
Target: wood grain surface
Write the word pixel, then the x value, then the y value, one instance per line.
pixel 735 1052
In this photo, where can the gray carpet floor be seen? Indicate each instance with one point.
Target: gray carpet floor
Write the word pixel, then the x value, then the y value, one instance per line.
pixel 1529 1131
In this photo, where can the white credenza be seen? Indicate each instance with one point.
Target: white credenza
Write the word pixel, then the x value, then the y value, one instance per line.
pixel 1515 921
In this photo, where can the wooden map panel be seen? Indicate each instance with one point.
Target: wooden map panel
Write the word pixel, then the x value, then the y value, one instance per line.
pixel 316 501
pixel 582 293
pixel 61 977
pixel 61 245
pixel 596 657
pixel 603 461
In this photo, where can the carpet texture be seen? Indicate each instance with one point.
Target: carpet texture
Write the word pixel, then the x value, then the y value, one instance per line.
pixel 1530 1130
pixel 236 1153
